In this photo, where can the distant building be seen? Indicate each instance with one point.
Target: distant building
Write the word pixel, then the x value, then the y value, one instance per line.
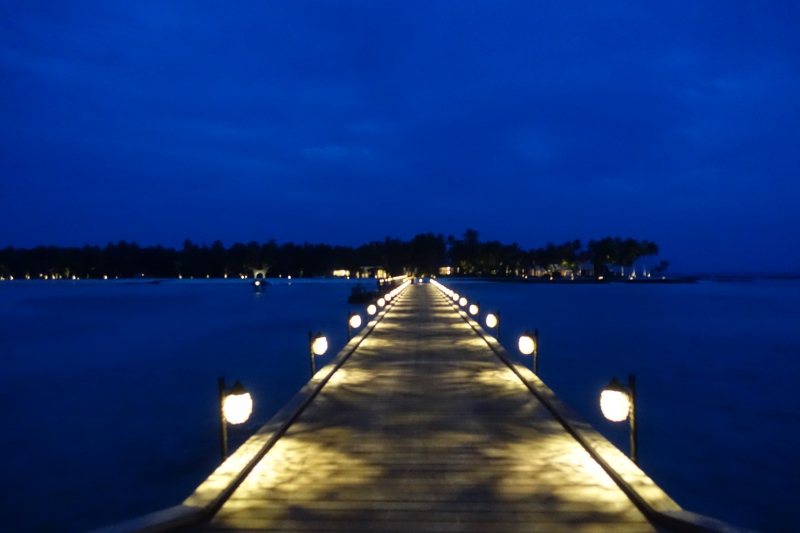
pixel 372 272
pixel 341 273
pixel 445 271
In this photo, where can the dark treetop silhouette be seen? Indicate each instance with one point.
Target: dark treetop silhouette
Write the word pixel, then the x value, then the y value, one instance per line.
pixel 424 254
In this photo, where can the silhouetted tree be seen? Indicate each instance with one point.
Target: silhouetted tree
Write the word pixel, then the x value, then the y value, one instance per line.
pixel 423 254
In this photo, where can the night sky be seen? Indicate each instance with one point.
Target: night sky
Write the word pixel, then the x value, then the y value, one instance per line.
pixel 347 122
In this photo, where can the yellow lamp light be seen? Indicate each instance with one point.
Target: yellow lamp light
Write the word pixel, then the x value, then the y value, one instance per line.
pixel 473 309
pixel 529 344
pixel 618 402
pixel 491 320
pixel 526 344
pixel 238 404
pixel 319 345
pixel 235 407
pixel 355 321
pixel 372 309
pixel 462 302
pixel 615 405
pixel 381 302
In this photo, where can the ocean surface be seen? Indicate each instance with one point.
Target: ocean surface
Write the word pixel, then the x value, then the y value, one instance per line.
pixel 108 389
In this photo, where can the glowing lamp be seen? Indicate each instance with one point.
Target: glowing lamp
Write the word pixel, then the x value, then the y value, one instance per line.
pixel 319 344
pixel 372 309
pixel 491 320
pixel 381 302
pixel 618 402
pixel 615 405
pixel 389 297
pixel 462 302
pixel 526 344
pixel 473 309
pixel 237 405
pixel 355 321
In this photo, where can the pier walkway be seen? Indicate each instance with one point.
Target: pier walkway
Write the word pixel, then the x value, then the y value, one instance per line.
pixel 425 428
pixel 422 423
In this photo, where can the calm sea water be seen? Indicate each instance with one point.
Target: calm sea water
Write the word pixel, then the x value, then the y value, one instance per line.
pixel 108 389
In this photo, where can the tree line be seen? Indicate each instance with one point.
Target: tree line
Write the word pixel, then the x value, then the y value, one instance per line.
pixel 424 254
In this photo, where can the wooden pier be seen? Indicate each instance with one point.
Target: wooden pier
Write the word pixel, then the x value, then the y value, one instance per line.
pixel 422 424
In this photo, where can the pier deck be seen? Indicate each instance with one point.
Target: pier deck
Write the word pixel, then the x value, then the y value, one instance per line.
pixel 424 428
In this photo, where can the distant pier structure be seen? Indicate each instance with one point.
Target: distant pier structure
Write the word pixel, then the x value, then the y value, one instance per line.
pixel 259 272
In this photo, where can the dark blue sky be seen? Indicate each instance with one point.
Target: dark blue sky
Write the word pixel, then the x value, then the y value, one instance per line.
pixel 345 122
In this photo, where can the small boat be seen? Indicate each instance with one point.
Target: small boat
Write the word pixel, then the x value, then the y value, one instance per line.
pixel 360 295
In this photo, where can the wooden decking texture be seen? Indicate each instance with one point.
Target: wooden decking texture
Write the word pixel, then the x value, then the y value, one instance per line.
pixel 425 429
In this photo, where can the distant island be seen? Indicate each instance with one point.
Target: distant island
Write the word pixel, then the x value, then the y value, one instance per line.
pixel 424 255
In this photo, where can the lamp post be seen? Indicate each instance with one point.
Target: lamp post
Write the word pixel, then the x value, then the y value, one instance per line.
pixel 317 345
pixel 353 322
pixel 529 344
pixel 493 321
pixel 235 407
pixel 474 309
pixel 618 402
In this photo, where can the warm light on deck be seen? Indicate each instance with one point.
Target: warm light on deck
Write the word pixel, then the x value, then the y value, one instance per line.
pixel 355 321
pixel 381 302
pixel 372 309
pixel 491 320
pixel 462 301
pixel 473 309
